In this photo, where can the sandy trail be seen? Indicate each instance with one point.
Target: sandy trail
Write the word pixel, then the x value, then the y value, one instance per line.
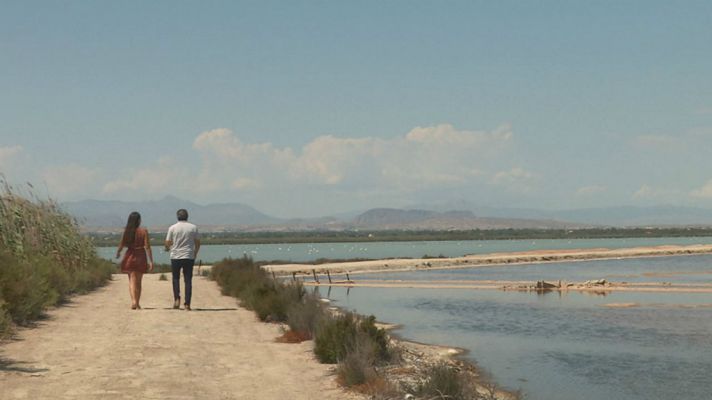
pixel 98 348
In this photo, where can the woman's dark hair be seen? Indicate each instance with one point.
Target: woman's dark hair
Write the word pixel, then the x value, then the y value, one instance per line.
pixel 130 231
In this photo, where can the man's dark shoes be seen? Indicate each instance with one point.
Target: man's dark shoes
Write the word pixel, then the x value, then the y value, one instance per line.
pixel 176 304
pixel 187 307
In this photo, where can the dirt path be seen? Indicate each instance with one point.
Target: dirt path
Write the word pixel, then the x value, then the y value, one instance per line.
pixel 96 347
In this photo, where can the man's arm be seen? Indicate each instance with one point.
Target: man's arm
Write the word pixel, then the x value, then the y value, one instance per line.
pixel 197 247
pixel 169 240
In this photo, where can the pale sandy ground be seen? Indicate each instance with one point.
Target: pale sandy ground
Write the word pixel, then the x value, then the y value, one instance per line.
pixel 96 347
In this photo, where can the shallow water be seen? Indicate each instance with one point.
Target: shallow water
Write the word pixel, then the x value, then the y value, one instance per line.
pixel 552 346
pixel 678 269
pixel 301 252
pixel 562 346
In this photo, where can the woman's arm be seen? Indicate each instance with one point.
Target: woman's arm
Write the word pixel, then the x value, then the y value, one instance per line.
pixel 149 252
pixel 121 245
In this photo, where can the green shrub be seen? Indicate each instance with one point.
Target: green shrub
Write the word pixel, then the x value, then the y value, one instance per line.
pixel 5 321
pixel 357 367
pixel 25 288
pixel 257 291
pixel 304 316
pixel 444 381
pixel 337 335
pixel 162 277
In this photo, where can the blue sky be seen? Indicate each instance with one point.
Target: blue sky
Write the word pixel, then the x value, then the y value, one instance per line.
pixel 316 107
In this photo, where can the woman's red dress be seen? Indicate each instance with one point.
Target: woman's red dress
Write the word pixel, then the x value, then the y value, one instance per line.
pixel 135 258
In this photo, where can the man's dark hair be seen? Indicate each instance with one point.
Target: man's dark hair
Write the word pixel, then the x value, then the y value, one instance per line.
pixel 182 214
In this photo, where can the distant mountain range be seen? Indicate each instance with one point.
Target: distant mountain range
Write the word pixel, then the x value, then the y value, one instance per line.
pixel 390 218
pixel 622 216
pixel 159 214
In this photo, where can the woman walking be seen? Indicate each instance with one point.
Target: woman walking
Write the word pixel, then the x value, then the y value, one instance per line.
pixel 138 257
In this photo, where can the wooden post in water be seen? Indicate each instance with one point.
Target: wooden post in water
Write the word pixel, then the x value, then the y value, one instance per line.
pixel 273 277
pixel 294 276
pixel 315 278
pixel 347 277
pixel 328 275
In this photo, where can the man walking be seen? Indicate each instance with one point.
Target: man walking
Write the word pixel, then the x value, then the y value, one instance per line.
pixel 183 242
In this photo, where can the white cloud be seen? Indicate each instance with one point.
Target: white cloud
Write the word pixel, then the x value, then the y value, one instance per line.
pixel 8 155
pixel 647 192
pixel 704 192
pixel 68 181
pixel 424 157
pixel 515 178
pixel 446 134
pixel 662 142
pixel 244 183
pixel 165 176
pixel 590 190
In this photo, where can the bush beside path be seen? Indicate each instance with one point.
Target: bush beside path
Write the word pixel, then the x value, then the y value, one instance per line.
pixel 96 347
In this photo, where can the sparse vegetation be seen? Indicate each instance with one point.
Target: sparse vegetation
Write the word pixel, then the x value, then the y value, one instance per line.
pixel 162 277
pixel 445 382
pixel 243 279
pixel 349 339
pixel 361 350
pixel 44 259
pixel 303 317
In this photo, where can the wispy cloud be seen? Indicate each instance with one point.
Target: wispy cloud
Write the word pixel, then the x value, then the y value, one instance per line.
pixel 425 156
pixel 660 142
pixel 7 155
pixel 590 190
pixel 651 194
pixel 704 111
pixel 67 181
pixel 164 176
pixel 517 179
pixel 703 192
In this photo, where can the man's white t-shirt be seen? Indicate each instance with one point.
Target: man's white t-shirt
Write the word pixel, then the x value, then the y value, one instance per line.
pixel 183 235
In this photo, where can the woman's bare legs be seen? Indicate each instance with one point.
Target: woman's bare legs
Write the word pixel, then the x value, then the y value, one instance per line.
pixel 138 277
pixel 131 290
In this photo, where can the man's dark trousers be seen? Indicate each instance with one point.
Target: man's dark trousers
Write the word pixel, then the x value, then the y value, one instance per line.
pixel 187 266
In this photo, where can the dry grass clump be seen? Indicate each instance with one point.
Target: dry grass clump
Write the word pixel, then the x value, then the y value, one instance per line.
pixel 291 336
pixel 44 259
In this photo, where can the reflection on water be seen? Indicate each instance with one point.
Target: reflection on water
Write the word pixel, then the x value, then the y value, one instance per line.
pixel 563 345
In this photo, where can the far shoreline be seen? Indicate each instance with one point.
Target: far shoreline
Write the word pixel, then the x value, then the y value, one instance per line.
pixel 480 261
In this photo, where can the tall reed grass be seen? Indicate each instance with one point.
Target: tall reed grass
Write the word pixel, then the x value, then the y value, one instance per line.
pixel 43 258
